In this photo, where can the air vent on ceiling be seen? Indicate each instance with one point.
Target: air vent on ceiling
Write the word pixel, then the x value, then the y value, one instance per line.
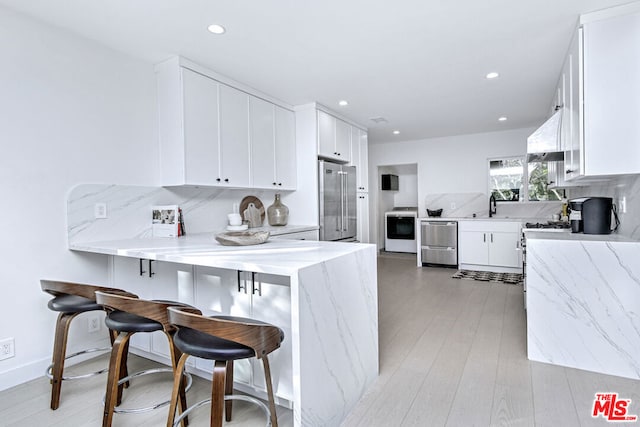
pixel 378 120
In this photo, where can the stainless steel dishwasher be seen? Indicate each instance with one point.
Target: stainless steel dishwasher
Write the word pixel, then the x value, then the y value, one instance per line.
pixel 439 243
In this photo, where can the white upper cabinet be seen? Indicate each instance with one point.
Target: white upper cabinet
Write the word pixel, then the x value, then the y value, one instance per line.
pixel 235 167
pixel 343 140
pixel 285 149
pixel 334 138
pixel 217 135
pixel 201 154
pixel 273 150
pixel 360 158
pixel 598 91
pixel 262 130
pixel 612 95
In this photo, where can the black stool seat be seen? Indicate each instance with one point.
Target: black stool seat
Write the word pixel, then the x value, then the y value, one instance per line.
pixel 72 304
pixel 207 346
pixel 123 321
pixel 222 339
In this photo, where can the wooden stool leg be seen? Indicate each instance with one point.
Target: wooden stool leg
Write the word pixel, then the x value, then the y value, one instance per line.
pixel 272 404
pixel 178 383
pixel 59 353
pixel 112 337
pixel 228 390
pixel 123 371
pixel 119 347
pixel 217 393
pixel 176 356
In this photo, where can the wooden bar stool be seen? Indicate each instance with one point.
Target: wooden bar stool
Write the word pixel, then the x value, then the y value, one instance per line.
pixel 128 316
pixel 223 339
pixel 70 300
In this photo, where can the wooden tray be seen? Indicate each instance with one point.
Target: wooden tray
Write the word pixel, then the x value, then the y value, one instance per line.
pixel 242 238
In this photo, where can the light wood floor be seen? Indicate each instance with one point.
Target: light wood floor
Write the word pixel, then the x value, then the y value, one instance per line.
pixel 452 352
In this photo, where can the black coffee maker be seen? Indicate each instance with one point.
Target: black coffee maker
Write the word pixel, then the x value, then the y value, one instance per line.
pixel 592 215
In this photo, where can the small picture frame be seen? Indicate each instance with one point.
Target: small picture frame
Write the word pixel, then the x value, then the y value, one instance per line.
pixel 165 221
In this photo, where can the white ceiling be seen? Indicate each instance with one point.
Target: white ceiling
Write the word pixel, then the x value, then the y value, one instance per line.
pixel 418 63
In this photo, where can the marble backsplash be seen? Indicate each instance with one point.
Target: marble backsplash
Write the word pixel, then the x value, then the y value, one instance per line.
pixel 627 187
pixel 461 205
pixel 465 205
pixel 204 209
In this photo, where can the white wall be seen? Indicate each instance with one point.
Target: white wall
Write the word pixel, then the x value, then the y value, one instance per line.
pixel 71 111
pixel 455 164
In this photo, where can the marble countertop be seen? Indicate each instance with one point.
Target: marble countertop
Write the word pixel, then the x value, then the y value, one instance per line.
pixel 278 256
pixel 484 218
pixel 567 235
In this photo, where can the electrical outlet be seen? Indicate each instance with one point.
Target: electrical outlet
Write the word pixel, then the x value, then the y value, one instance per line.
pixel 623 205
pixel 453 205
pixel 7 348
pixel 100 210
pixel 93 323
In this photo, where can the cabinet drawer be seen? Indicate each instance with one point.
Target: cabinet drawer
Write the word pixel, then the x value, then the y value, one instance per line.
pixel 439 233
pixel 489 226
pixel 439 255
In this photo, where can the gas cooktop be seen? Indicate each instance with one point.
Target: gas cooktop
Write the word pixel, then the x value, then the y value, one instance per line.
pixel 548 226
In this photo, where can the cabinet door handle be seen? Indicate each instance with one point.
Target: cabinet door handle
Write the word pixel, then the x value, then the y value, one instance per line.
pixel 226 180
pixel 253 285
pixel 280 183
pixel 218 179
pixel 141 268
pixel 151 272
pixel 484 237
pixel 241 285
pixel 491 237
pixel 274 183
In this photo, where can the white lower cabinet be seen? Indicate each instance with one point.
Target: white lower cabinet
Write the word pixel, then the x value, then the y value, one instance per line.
pixel 258 296
pixel 153 280
pixel 489 245
pixel 216 291
pixel 362 212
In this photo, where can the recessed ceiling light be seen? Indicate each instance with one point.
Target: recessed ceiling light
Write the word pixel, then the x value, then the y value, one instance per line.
pixel 216 29
pixel 343 103
pixel 396 132
pixel 492 75
pixel 502 119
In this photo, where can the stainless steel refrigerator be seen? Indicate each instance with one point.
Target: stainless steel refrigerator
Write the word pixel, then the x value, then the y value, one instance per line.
pixel 338 201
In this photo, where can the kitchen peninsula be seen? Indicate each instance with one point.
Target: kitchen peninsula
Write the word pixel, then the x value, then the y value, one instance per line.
pixel 329 311
pixel 583 302
pixel 323 295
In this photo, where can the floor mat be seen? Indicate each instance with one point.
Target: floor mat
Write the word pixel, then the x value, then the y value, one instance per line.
pixel 489 276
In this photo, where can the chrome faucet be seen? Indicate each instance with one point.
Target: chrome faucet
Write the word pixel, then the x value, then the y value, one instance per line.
pixel 492 205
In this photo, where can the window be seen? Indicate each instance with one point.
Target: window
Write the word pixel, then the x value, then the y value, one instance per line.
pixel 509 183
pixel 506 178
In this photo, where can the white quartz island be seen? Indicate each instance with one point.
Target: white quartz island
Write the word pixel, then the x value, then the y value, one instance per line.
pixel 583 302
pixel 330 291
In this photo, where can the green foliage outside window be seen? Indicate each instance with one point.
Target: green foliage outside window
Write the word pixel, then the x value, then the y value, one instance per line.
pixel 507 180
